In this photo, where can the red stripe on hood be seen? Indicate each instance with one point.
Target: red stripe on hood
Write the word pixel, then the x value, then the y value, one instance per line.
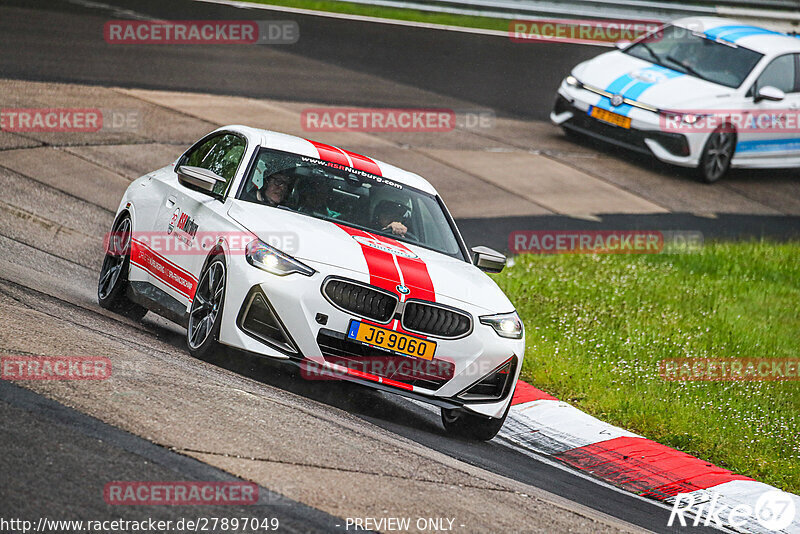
pixel 415 272
pixel 363 163
pixel 382 271
pixel 330 153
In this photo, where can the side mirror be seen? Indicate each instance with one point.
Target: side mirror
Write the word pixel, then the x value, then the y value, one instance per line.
pixel 199 177
pixel 488 260
pixel 622 45
pixel 769 92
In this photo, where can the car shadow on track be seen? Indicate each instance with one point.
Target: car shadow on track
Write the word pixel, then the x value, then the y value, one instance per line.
pixel 348 396
pixel 650 164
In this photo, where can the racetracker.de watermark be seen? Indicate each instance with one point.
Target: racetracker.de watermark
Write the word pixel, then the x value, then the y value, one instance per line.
pixel 55 368
pixel 399 368
pixel 599 32
pixel 180 493
pixel 184 239
pixel 436 120
pixel 75 120
pixel 604 242
pixel 193 32
pixel 729 369
pixel 786 121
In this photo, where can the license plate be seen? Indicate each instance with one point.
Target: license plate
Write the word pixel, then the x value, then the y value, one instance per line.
pixel 376 336
pixel 611 118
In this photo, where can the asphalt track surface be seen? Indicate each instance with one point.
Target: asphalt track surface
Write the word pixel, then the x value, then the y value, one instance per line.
pixel 352 63
pixel 83 454
pixel 60 43
pixel 442 67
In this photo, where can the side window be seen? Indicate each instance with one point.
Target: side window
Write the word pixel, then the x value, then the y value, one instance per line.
pixel 221 154
pixel 779 73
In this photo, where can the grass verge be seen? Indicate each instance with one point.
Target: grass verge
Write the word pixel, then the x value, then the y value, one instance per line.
pixel 597 326
pixel 413 15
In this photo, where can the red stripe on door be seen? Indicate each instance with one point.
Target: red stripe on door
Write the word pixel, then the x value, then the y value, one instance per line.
pixel 646 467
pixel 330 153
pixel 363 163
pixel 163 269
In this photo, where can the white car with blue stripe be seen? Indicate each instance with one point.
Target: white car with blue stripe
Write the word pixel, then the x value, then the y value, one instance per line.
pixel 693 94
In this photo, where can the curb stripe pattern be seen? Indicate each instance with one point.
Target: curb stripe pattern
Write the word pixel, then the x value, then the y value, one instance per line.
pixel 538 421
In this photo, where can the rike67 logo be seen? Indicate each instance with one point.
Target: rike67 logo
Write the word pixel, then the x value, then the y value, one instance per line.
pixel 774 510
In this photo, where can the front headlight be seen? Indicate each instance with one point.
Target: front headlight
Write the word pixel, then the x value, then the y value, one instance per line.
pixel 272 260
pixel 505 324
pixel 572 81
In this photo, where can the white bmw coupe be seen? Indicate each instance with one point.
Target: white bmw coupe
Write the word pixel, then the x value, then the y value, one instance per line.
pixel 346 266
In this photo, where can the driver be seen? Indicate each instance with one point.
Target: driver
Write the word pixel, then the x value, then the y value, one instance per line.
pixel 275 189
pixel 388 215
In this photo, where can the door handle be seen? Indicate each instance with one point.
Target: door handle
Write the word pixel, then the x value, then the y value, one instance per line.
pixel 171 201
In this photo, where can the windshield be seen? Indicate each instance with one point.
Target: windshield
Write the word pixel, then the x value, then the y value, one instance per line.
pixel 688 52
pixel 344 195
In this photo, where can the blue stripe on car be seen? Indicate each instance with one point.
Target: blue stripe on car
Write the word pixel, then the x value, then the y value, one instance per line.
pixel 614 87
pixel 768 145
pixel 631 88
pixel 733 33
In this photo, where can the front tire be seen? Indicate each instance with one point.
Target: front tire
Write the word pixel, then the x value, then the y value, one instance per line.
pixel 717 154
pixel 472 426
pixel 113 281
pixel 205 315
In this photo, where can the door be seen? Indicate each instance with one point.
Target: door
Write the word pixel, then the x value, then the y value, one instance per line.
pixel 772 131
pixel 192 219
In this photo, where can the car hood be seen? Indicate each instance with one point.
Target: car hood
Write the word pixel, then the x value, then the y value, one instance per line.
pixel 640 80
pixel 322 242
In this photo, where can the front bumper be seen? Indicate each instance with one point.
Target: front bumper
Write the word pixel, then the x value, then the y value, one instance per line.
pixel 571 111
pixel 315 332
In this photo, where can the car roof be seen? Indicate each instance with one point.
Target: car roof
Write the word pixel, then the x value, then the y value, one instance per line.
pixel 762 40
pixel 313 149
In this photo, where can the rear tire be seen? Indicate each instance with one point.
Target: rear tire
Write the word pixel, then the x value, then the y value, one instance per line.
pixel 113 281
pixel 472 426
pixel 205 315
pixel 717 155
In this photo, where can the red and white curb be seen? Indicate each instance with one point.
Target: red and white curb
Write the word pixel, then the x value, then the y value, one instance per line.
pixel 541 423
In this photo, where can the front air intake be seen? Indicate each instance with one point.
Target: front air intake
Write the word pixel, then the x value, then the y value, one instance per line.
pixel 494 386
pixel 258 319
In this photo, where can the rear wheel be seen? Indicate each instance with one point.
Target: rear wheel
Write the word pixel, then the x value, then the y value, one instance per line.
pixel 472 426
pixel 717 155
pixel 113 281
pixel 205 314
